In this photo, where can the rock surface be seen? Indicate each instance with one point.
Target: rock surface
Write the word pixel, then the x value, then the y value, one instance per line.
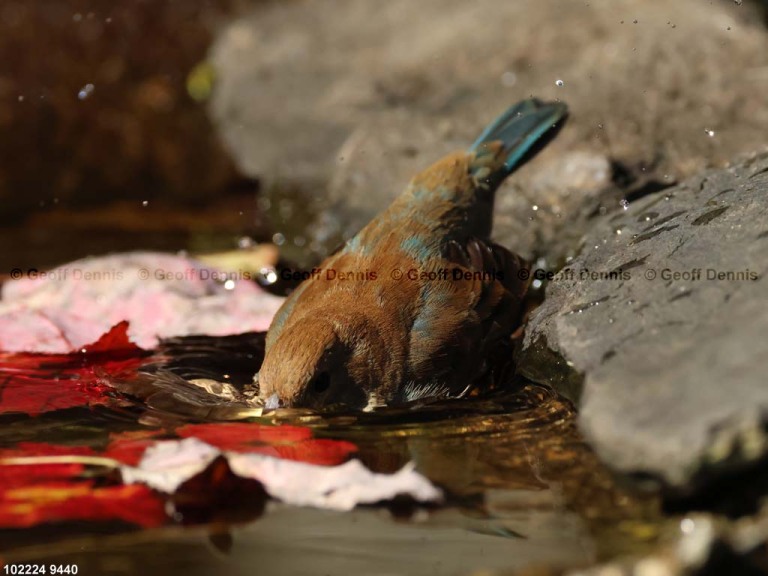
pixel 658 327
pixel 346 101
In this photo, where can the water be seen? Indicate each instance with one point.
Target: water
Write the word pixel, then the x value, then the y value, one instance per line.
pixel 523 487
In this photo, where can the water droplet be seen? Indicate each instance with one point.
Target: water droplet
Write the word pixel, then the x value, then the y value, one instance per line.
pixel 145 203
pixel 508 79
pixel 611 320
pixel 624 203
pixel 85 91
pixel 687 524
pixel 21 98
pixel 534 208
pixel 710 133
pixel 268 275
pixel 600 126
pixel 245 242
pixel 559 82
pixel 108 20
pixel 618 231
pixel 229 284
pixel 278 238
pixel 536 284
pixel 634 21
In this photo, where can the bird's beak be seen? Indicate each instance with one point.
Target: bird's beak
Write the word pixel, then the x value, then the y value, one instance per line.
pixel 272 402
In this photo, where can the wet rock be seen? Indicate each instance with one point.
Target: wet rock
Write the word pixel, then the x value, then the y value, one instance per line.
pixel 344 102
pixel 700 545
pixel 658 328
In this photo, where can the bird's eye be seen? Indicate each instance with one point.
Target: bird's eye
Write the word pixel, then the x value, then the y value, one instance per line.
pixel 321 383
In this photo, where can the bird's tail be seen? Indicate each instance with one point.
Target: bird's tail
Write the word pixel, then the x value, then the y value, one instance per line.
pixel 521 131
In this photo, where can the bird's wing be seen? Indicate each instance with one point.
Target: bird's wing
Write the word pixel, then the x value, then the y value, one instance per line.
pixel 460 319
pixel 502 282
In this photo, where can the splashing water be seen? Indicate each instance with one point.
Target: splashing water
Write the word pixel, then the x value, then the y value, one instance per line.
pixel 85 91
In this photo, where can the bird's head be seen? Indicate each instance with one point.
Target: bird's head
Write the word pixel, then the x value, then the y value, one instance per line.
pixel 316 364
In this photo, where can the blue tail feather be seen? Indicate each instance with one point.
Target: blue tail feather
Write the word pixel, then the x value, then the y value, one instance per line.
pixel 520 128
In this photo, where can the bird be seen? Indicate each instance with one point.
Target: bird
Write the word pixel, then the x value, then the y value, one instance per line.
pixel 411 306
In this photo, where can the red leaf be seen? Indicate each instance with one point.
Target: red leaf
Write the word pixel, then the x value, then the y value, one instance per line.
pixel 129 447
pixel 114 341
pixel 32 494
pixel 37 383
pixel 320 451
pixel 27 505
pixel 290 442
pixel 242 436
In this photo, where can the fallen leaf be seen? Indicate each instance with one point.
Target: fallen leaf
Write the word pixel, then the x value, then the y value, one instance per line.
pixel 161 295
pixel 167 465
pixel 38 383
pixel 289 442
pixel 45 502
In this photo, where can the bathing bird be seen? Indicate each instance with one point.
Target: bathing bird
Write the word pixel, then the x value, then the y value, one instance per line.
pixel 411 307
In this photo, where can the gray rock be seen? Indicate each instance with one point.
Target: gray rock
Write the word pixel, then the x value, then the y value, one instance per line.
pixel 658 328
pixel 345 101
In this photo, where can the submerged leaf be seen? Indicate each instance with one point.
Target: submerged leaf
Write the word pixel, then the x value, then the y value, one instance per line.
pixel 37 383
pixel 44 483
pixel 167 465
